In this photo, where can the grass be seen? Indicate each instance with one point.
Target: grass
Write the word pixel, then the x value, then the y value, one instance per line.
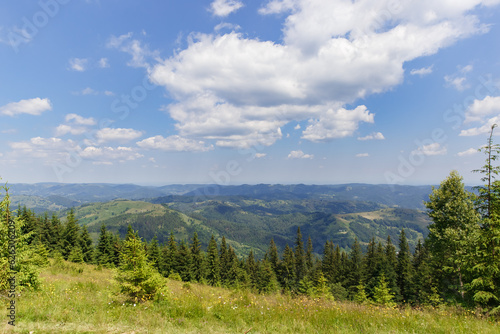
pixel 78 298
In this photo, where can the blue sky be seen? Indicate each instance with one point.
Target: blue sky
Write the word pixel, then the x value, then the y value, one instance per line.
pixel 234 91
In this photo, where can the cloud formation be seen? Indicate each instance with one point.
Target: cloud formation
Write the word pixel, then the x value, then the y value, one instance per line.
pixel 225 7
pixel 34 107
pixel 240 91
pixel 174 143
pixel 373 136
pixel 300 155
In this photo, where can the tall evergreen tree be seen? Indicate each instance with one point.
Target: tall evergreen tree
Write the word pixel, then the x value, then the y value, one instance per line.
pixel 154 253
pixel 104 250
pixel 405 269
pixel 70 234
pixel 183 263
pixel 300 258
pixel 273 256
pixel 309 255
pixel 286 272
pixel 355 265
pixel 389 266
pixel 198 265
pixel 86 245
pixel 454 223
pixel 213 266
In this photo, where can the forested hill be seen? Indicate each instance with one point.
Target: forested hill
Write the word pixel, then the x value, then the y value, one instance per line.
pixel 59 196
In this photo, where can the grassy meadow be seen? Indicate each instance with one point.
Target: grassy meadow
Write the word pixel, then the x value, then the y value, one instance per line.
pixel 81 298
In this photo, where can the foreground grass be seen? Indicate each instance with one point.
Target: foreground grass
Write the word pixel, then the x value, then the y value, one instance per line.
pixel 81 299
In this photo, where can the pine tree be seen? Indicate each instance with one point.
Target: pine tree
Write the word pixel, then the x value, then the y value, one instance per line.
pixel 224 262
pixel 355 267
pixel 198 263
pixel 425 284
pixel 266 279
pixel 104 250
pixel 382 294
pixel 309 255
pixel 389 265
pixel 136 277
pixel 86 245
pixel 272 254
pixel 70 234
pixel 405 269
pixel 183 262
pixel 56 232
pixel 154 254
pixel 454 223
pixel 213 269
pixel 252 270
pixel 300 258
pixel 25 265
pixel 286 270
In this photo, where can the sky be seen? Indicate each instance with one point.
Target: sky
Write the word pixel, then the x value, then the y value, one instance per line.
pixel 158 92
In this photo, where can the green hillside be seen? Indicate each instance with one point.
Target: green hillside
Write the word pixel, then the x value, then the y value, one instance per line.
pixel 252 223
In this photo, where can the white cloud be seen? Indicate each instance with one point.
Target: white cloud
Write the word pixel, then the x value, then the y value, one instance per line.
pixel 225 7
pixel 78 64
pixel 34 107
pixel 431 149
pixel 459 80
pixel 422 71
pixel 117 135
pixel 470 151
pixel 103 63
pixel 63 129
pixel 240 91
pixel 299 155
pixel 373 136
pixel 77 119
pixel 362 155
pixel 104 155
pixel 479 109
pixel 141 54
pixel 260 155
pixel 225 25
pixel 337 124
pixel 50 149
pixel 459 83
pixel 297 127
pixel 173 143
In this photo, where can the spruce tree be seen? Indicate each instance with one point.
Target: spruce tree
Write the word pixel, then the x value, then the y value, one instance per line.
pixel 213 269
pixel 389 265
pixel 286 272
pixel 355 265
pixel 86 245
pixel 198 265
pixel 183 261
pixel 272 254
pixel 154 254
pixel 70 234
pixel 300 258
pixel 454 224
pixel 405 269
pixel 136 277
pixel 104 250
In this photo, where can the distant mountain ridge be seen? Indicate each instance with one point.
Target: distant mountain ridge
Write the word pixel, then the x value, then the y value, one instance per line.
pixel 58 196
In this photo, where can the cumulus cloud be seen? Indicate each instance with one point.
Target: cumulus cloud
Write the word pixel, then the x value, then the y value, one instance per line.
pixel 78 64
pixel 486 112
pixel 225 7
pixel 117 135
pixel 174 143
pixel 34 107
pixel 362 155
pixel 480 109
pixel 373 136
pixel 431 149
pixel 459 79
pixel 300 155
pixel 260 155
pixel 422 71
pixel 470 151
pixel 51 149
pixel 104 155
pixel 337 124
pixel 240 91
